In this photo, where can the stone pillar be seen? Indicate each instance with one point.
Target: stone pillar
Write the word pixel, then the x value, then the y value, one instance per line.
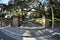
pixel 15 21
pixel 45 21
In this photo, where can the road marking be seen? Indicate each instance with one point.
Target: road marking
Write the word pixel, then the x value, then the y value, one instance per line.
pixel 20 34
pixel 29 38
pixel 3 27
pixel 11 32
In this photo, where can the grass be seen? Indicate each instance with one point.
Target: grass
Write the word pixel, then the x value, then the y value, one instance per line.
pixel 57 19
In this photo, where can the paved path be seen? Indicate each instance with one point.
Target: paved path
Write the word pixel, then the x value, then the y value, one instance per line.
pixel 31 24
pixel 14 33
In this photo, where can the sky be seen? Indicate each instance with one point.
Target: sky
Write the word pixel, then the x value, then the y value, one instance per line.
pixel 4 1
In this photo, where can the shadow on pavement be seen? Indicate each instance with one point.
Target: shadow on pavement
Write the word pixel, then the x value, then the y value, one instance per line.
pixel 6 37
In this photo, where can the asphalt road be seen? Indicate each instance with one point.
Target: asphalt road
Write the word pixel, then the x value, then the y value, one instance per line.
pixel 13 33
pixel 31 24
pixel 5 37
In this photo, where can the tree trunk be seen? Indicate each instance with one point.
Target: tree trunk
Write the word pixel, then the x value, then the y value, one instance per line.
pixel 52 16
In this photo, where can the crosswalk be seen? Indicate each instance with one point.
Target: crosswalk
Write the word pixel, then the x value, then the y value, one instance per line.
pixel 25 34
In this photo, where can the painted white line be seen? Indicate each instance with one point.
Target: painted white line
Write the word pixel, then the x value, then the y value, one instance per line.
pixel 11 32
pixel 22 35
pixel 17 33
pixel 3 27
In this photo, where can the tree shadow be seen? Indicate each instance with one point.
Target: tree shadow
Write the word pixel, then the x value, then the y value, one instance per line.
pixel 5 37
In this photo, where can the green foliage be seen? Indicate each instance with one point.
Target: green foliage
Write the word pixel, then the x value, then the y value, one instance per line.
pixel 57 19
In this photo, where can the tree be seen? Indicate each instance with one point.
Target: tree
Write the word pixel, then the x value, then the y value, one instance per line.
pixel 54 6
